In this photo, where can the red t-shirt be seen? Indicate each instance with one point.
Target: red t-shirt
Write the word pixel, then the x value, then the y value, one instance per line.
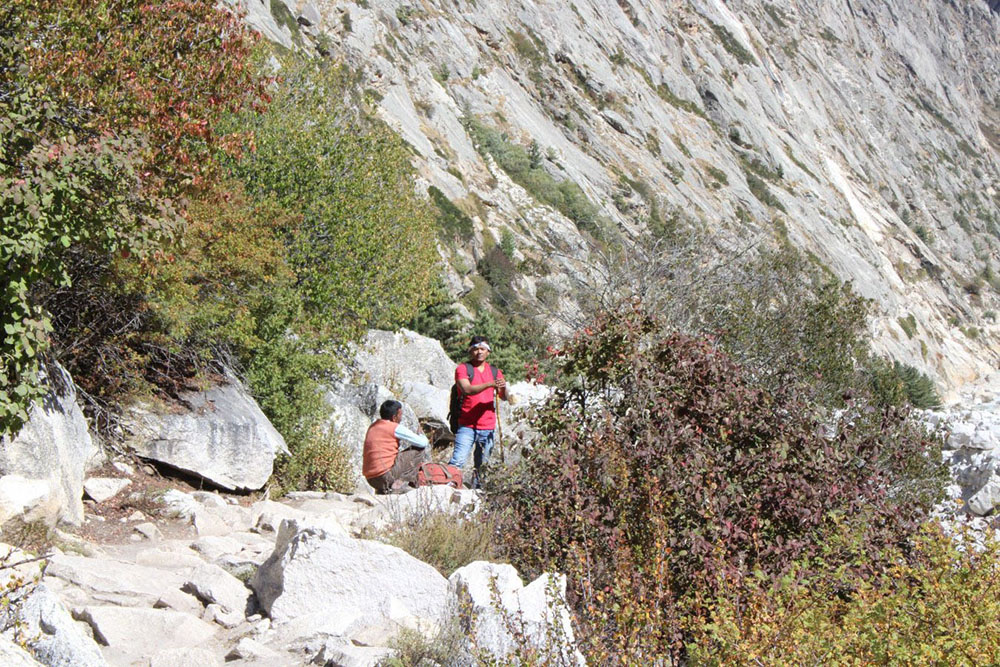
pixel 477 410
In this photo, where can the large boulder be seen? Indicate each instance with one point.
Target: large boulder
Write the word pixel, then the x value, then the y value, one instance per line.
pixel 132 634
pixel 220 435
pixel 491 599
pixel 48 458
pixel 322 573
pixel 391 358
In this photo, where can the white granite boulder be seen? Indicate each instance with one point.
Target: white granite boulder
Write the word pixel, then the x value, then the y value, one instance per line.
pixel 221 436
pixel 491 598
pixel 314 571
pixel 54 447
pixel 392 358
pixel 53 636
pixel 100 489
pixel 29 499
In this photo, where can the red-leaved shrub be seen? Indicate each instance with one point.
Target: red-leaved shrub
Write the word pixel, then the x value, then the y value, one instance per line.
pixel 661 471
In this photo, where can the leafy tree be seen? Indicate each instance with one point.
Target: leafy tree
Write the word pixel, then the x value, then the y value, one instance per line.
pixel 107 117
pixel 168 71
pixel 364 253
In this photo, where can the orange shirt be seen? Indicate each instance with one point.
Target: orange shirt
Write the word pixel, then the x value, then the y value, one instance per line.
pixel 477 410
pixel 381 448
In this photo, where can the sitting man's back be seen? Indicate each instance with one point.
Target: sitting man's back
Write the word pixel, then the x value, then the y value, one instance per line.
pixel 392 453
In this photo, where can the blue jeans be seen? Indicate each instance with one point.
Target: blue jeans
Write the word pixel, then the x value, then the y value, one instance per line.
pixel 465 438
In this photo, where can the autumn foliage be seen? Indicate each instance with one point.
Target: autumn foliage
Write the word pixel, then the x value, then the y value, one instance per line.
pixel 171 211
pixel 168 71
pixel 662 471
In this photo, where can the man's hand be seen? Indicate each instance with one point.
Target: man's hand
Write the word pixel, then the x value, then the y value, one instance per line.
pixel 500 383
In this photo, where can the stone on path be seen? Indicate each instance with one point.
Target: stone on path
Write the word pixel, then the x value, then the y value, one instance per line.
pixel 211 584
pixel 313 570
pixel 142 632
pixel 118 581
pixel 184 657
pixel 100 489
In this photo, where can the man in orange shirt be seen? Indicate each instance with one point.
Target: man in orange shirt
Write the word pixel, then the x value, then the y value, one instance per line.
pixel 477 418
pixel 392 453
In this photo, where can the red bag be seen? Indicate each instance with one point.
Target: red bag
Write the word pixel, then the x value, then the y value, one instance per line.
pixel 439 473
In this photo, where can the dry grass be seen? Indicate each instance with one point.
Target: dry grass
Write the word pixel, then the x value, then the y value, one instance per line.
pixel 443 540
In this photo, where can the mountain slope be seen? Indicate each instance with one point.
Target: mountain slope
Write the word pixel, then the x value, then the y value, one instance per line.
pixel 865 132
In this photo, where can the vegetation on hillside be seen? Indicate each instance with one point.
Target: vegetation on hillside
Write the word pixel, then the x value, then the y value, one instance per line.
pixel 726 473
pixel 109 114
pixel 171 211
pixel 665 471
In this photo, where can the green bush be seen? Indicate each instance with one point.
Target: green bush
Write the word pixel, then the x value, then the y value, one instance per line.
pixel 779 316
pixel 937 604
pixel 320 462
pixel 717 174
pixel 441 319
pixel 763 194
pixel 732 45
pixel 364 252
pixel 500 272
pixel 452 220
pixel 909 325
pixel 565 196
pixel 661 468
pixel 894 383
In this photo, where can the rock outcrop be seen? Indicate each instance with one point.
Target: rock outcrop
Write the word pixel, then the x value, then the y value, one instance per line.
pixel 972 452
pixel 42 469
pixel 323 595
pixel 305 576
pixel 218 434
pixel 491 599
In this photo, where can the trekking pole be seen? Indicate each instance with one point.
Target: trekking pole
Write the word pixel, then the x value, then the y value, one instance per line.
pixel 496 408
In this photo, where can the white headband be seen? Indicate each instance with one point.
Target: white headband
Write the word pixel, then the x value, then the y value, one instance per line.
pixel 482 344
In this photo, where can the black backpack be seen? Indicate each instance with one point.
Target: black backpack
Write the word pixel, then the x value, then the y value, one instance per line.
pixel 455 400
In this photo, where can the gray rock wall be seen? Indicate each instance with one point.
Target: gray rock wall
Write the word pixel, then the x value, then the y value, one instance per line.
pixel 874 125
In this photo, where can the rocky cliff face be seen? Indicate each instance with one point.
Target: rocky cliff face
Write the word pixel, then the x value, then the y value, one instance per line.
pixel 866 132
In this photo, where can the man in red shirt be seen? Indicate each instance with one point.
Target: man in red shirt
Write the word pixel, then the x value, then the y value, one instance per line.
pixel 392 453
pixel 477 418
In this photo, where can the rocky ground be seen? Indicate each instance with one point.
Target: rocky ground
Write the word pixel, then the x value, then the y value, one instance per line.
pixel 164 574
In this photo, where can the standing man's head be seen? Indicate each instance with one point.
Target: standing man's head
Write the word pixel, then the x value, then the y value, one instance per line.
pixel 479 349
pixel 391 410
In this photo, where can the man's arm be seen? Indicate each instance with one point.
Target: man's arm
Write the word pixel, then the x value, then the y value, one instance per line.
pixel 501 385
pixel 464 382
pixel 409 438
